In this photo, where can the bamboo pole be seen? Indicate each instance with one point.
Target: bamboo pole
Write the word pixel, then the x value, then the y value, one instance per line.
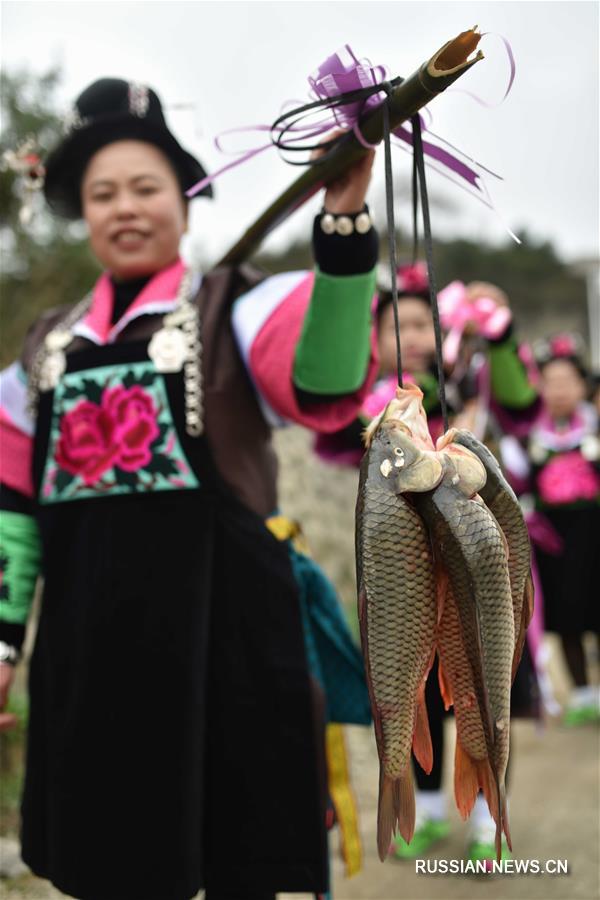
pixel 433 77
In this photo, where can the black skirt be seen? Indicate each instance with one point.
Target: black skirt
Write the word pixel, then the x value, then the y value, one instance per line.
pixel 570 581
pixel 175 738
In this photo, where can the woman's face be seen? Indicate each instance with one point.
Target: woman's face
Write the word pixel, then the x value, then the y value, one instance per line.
pixel 417 338
pixel 132 203
pixel 562 388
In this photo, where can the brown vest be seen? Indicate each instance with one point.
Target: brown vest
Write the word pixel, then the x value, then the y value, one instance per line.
pixel 239 437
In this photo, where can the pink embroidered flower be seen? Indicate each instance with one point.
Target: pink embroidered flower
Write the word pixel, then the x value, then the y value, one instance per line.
pixel 119 432
pixel 86 445
pixel 567 478
pixel 133 413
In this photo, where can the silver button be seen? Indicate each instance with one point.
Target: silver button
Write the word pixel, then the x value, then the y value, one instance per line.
pixel 362 223
pixel 328 223
pixel 344 226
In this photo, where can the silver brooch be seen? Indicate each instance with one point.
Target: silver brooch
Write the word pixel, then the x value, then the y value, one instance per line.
pixel 139 99
pixel 55 361
pixel 168 349
pixel 52 370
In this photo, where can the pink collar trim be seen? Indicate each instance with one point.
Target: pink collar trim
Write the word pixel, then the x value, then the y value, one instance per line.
pixel 159 295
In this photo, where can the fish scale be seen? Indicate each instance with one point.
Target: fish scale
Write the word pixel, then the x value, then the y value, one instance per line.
pixel 399 616
pixel 455 667
pixel 503 503
pixel 397 612
pixel 472 550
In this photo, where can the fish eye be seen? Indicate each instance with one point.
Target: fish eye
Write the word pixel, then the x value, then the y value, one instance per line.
pixel 398 451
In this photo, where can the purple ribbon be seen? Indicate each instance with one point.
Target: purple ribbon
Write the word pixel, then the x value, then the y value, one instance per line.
pixel 344 74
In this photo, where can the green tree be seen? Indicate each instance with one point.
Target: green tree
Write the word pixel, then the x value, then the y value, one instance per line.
pixel 46 264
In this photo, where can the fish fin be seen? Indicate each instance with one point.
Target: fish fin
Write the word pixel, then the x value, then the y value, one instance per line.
pixel 405 799
pixel 467 780
pixel 501 819
pixel 422 747
pixel 504 813
pixel 499 801
pixel 386 814
pixel 526 614
pixel 447 438
pixel 445 689
pixel 487 782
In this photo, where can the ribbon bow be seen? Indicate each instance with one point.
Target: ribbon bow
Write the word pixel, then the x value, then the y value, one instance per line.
pixel 346 87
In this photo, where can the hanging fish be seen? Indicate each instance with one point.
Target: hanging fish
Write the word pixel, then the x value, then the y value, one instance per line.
pixel 469 544
pixel 397 611
pixel 502 502
pixel 472 770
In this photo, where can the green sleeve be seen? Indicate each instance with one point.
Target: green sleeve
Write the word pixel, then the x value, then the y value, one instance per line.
pixel 20 559
pixel 510 385
pixel 333 353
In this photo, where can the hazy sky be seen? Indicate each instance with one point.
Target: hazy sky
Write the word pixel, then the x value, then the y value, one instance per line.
pixel 237 63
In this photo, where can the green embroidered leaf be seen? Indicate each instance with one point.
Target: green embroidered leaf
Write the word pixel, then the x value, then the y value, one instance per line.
pixel 147 378
pixel 161 465
pixel 126 479
pixel 63 480
pixel 92 390
pixel 163 430
pixel 71 393
pixel 129 380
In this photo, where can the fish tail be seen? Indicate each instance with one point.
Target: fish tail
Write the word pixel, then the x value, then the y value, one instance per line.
pixel 500 815
pixel 422 747
pixel 445 689
pixel 405 799
pixel 468 778
pixel 504 814
pixel 386 814
pixel 396 806
pixel 488 786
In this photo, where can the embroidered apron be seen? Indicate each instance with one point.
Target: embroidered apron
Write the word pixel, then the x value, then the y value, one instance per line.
pixel 175 738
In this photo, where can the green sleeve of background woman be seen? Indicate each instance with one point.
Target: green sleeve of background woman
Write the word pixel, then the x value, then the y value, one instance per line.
pixel 333 353
pixel 510 385
pixel 20 560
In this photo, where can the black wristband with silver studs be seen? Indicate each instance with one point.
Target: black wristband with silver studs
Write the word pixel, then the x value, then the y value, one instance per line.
pixel 345 254
pixel 346 224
